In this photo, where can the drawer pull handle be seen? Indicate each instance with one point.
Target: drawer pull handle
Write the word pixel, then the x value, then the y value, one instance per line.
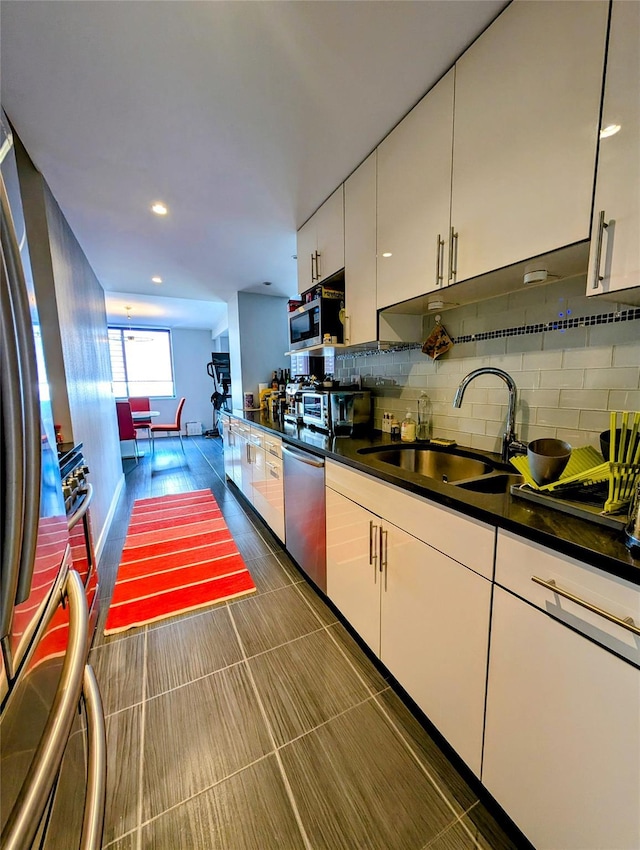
pixel 627 623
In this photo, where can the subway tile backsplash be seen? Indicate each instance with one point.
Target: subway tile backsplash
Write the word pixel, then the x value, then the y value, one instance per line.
pixel 573 359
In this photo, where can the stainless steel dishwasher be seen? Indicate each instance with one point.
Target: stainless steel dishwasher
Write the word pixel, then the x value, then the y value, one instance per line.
pixel 304 512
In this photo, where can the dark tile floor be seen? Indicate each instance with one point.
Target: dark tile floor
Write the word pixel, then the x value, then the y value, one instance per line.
pixel 260 723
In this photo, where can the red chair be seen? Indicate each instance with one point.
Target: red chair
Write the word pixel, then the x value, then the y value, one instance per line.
pixel 170 428
pixel 126 427
pixel 141 403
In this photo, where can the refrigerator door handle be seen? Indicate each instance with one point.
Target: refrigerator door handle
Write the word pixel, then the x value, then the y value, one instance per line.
pixel 32 458
pixel 97 768
pixel 77 515
pixel 13 473
pixel 24 820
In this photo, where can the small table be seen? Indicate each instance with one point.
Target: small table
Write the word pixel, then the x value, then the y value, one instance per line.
pixel 138 415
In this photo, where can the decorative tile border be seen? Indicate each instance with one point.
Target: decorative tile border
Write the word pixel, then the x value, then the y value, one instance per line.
pixel 562 323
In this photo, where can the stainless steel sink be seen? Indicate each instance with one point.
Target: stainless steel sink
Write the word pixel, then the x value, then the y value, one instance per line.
pixel 449 466
pixel 495 483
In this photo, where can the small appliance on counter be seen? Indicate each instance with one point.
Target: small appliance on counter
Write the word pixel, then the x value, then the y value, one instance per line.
pixel 336 411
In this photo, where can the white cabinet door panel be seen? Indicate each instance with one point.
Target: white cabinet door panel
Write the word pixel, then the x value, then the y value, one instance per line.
pixel 353 578
pixel 434 638
pixel 525 133
pixel 414 191
pixel 360 253
pixel 618 181
pixel 562 738
pixel 330 234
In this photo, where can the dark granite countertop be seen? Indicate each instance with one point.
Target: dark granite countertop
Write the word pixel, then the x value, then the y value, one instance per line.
pixel 578 538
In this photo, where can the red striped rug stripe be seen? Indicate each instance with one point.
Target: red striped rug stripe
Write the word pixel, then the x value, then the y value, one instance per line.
pixel 176 532
pixel 179 601
pixel 139 525
pixel 183 563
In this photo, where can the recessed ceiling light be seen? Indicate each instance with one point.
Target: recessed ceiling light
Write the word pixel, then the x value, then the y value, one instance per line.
pixel 156 279
pixel 159 208
pixel 266 283
pixel 610 130
pixel 387 254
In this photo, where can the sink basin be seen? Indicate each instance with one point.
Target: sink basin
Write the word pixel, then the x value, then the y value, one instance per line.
pixel 499 483
pixel 449 466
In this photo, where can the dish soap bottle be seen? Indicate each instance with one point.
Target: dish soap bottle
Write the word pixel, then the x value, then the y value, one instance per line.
pixel 424 417
pixel 408 429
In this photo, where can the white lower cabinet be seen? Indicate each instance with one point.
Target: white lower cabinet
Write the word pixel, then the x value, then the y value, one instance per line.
pixel 425 615
pixel 562 741
pixel 253 461
pixel 268 488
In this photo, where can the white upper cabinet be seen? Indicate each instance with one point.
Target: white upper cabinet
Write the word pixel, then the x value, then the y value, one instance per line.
pixel 320 242
pixel 414 189
pixel 360 253
pixel 527 101
pixel 614 263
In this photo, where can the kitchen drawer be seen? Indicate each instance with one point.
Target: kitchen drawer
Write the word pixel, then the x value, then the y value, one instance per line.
pixel 272 445
pixel 518 561
pixel 466 540
pixel 242 429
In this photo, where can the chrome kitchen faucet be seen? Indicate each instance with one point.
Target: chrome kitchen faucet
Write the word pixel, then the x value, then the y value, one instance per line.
pixel 509 442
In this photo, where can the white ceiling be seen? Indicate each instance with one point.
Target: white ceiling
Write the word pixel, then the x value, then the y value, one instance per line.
pixel 241 116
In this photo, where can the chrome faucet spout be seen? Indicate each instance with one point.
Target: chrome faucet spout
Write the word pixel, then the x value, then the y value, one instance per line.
pixel 509 436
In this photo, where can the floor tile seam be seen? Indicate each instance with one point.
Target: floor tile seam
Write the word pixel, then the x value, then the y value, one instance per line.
pixel 285 778
pixel 261 595
pixel 198 678
pixel 456 811
pixel 460 822
pixel 306 601
pixel 285 643
pixel 326 722
pixel 343 652
pixel 208 788
pixel 119 839
pixel 143 724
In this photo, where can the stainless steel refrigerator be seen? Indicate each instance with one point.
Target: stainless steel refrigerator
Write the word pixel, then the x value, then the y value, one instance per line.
pixel 52 733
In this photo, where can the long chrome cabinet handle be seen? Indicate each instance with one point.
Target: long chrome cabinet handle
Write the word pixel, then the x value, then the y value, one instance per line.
pixel 23 822
pixel 597 277
pixel 76 516
pixel 318 255
pixel 32 457
pixel 373 549
pixel 384 543
pixel 313 277
pixel 626 623
pixel 93 822
pixel 439 261
pixel 453 254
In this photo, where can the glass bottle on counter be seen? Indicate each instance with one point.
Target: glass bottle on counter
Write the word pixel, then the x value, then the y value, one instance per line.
pixel 408 429
pixel 424 417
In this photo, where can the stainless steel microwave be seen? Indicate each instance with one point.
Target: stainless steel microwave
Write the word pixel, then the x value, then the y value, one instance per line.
pixel 310 323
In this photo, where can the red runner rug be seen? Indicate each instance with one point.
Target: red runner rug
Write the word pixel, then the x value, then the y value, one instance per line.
pixel 179 555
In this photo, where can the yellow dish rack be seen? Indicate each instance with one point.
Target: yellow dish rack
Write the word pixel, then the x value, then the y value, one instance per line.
pixel 587 466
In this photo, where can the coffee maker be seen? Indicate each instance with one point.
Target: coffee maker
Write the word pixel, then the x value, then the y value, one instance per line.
pixel 349 409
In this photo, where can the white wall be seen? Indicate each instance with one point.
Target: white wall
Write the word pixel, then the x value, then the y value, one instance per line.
pixel 258 339
pixel 191 353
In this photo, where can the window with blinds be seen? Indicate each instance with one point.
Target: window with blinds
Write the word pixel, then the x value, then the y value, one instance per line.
pixel 141 362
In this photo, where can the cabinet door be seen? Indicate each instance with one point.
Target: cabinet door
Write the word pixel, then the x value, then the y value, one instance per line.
pixel 562 733
pixel 360 253
pixel 414 191
pixel 306 252
pixel 268 490
pixel 525 133
pixel 353 577
pixel 245 467
pixel 617 192
pixel 330 235
pixel 258 477
pixel 434 637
